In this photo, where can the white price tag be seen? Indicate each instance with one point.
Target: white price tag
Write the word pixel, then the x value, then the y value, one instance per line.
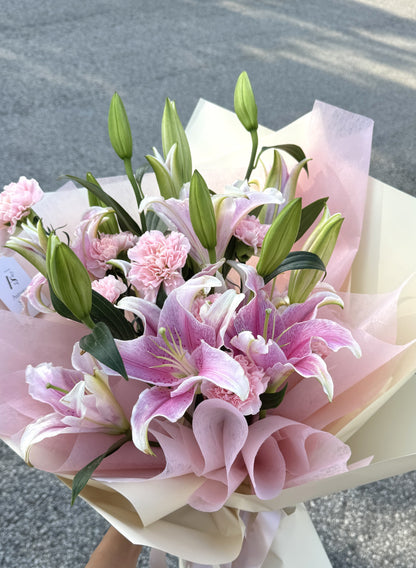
pixel 13 282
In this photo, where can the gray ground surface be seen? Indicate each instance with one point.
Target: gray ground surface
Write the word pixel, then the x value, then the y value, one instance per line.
pixel 60 62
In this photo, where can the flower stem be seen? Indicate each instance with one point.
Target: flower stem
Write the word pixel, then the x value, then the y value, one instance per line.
pixel 136 188
pixel 254 146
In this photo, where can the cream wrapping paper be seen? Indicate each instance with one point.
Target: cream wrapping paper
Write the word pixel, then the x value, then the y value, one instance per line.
pixel 385 428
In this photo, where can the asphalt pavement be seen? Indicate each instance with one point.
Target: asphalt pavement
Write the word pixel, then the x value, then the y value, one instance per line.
pixel 60 63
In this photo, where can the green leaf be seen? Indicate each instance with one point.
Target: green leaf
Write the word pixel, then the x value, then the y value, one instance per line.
pixel 140 173
pixel 83 476
pixel 104 311
pixel 125 221
pixel 272 399
pixel 154 222
pixel 291 149
pixel 297 260
pixel 309 214
pixel 100 343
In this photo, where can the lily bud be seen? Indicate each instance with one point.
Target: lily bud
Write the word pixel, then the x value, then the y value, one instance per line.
pixel 69 279
pixel 202 213
pixel 322 242
pixel 280 238
pixel 119 129
pixel 42 236
pixel 244 103
pixel 173 133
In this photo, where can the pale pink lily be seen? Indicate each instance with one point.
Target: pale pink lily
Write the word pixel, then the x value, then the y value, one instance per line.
pixel 184 354
pixel 95 250
pixel 293 339
pixel 229 208
pixel 80 402
pixel 37 295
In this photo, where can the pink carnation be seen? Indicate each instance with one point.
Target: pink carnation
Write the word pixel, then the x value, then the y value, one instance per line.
pixel 251 232
pixel 109 287
pixel 16 200
pixel 257 382
pixel 158 259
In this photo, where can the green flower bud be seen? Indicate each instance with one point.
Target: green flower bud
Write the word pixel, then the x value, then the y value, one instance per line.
pixel 280 238
pixel 42 236
pixel 69 279
pixel 322 242
pixel 164 179
pixel 119 128
pixel 202 213
pixel 244 103
pixel 173 133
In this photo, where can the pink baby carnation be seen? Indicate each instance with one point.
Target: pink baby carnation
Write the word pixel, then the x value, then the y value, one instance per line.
pixel 251 232
pixel 16 199
pixel 257 382
pixel 109 287
pixel 158 259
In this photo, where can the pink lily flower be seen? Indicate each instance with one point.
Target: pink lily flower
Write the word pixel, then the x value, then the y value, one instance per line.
pixel 95 249
pixel 185 353
pixel 80 402
pixel 285 340
pixel 229 208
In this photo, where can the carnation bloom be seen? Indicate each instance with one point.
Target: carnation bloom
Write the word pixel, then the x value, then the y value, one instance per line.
pixel 158 259
pixel 16 200
pixel 109 287
pixel 251 232
pixel 95 249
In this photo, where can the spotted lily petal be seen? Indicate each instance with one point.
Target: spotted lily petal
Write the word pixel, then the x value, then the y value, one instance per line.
pixel 155 402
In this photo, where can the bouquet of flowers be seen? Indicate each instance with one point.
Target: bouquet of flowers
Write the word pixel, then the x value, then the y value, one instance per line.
pixel 197 352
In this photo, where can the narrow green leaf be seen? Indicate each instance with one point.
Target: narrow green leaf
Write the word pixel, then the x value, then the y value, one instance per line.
pixel 140 173
pixel 104 311
pixel 83 476
pixel 272 399
pixel 126 222
pixel 309 214
pixel 291 149
pixel 100 343
pixel 154 222
pixel 297 260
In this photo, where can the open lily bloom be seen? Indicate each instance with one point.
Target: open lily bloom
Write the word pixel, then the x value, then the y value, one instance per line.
pixel 80 403
pixel 230 208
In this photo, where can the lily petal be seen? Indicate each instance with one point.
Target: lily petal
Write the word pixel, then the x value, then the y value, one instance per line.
pixel 152 403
